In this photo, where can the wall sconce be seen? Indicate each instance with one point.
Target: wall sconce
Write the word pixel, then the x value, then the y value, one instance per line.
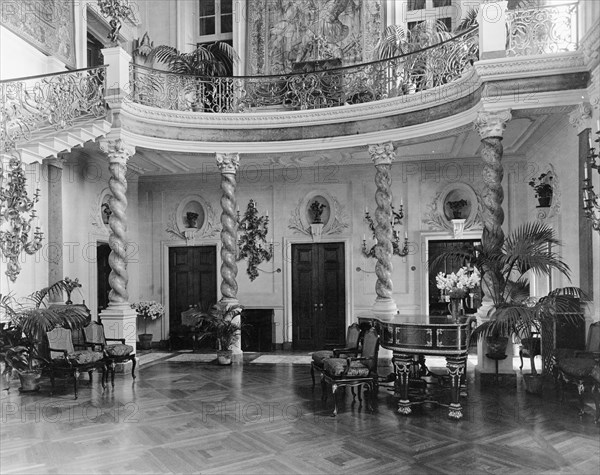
pixel 396 221
pixel 252 239
pixel 591 204
pixel 16 214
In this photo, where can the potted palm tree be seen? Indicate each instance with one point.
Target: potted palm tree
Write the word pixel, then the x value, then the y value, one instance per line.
pixel 27 323
pixel 220 323
pixel 505 276
pixel 204 62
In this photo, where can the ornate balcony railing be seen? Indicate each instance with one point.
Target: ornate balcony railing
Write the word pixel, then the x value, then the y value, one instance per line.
pixel 549 29
pixel 50 101
pixel 407 74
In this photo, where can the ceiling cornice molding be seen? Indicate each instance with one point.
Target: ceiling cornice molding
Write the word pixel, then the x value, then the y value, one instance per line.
pixel 425 129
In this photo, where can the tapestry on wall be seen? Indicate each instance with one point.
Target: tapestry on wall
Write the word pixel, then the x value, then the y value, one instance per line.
pixel 282 33
pixel 47 25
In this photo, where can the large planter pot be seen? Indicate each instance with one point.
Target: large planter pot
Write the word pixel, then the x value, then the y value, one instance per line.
pixel 224 357
pixel 497 345
pixel 544 201
pixel 145 341
pixel 533 383
pixel 30 380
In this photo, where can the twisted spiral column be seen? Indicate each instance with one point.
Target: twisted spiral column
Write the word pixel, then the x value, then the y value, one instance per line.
pixel 228 164
pixel 118 154
pixel 490 126
pixel 383 155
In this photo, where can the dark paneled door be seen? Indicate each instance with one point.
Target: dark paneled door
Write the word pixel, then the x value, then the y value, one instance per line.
pixel 103 271
pixel 192 279
pixel 318 296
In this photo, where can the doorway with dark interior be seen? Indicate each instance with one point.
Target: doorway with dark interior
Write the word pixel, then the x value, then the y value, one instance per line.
pixel 436 304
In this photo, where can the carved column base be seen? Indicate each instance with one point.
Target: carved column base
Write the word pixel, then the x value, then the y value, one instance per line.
pixel 237 355
pixel 385 308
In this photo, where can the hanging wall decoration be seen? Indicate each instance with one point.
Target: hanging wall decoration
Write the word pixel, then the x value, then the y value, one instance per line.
pixel 252 239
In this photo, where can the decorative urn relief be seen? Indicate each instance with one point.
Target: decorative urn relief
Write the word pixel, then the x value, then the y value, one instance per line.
pixel 546 187
pixel 318 214
pixel 193 219
pixel 456 208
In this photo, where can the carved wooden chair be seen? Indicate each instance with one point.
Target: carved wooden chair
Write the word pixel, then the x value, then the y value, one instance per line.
pixel 62 358
pixel 351 349
pixel 113 353
pixel 354 372
pixel 526 346
pixel 581 368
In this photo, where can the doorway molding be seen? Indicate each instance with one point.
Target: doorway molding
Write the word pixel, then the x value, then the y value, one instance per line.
pixel 426 238
pixel 287 282
pixel 164 249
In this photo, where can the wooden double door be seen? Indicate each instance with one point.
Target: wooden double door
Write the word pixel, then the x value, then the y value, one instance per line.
pixel 192 279
pixel 318 296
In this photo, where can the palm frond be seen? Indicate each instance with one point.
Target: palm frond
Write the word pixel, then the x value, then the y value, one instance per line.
pixel 469 20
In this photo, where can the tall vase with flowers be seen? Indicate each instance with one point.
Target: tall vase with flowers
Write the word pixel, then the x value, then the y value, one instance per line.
pixel 456 286
pixel 148 310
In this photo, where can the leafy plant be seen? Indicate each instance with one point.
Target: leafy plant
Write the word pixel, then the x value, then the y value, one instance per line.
pixel 28 323
pixel 505 280
pixel 542 185
pixel 219 323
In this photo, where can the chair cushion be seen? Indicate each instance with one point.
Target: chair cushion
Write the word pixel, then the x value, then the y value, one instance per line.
pixel 84 357
pixel 319 356
pixel 578 367
pixel 337 367
pixel 119 350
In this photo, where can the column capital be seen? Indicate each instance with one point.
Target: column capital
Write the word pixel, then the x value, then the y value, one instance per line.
pixel 117 150
pixel 492 124
pixel 382 154
pixel 228 162
pixel 581 117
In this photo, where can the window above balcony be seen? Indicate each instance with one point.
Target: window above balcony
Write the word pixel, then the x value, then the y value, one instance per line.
pixel 215 20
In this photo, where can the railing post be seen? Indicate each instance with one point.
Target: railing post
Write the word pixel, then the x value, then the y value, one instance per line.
pixel 492 29
pixel 117 74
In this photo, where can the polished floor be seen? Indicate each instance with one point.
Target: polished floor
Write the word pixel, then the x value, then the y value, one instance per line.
pixel 197 417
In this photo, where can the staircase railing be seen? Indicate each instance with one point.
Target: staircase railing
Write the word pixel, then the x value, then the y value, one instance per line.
pixel 407 74
pixel 543 30
pixel 49 102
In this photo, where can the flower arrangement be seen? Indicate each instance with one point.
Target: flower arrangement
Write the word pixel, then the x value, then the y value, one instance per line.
pixel 148 309
pixel 458 284
pixel 542 185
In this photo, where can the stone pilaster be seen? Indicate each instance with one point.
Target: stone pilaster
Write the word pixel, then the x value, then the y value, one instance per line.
pixel 228 164
pixel 119 318
pixel 55 221
pixel 382 156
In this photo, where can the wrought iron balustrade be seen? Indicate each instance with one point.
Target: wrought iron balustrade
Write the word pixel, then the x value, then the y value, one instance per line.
pixel 407 74
pixel 50 101
pixel 548 29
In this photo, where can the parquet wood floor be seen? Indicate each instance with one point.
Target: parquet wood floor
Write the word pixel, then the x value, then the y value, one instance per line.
pixel 202 418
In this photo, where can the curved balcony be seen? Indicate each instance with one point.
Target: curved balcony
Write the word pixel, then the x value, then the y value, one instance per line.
pixel 322 88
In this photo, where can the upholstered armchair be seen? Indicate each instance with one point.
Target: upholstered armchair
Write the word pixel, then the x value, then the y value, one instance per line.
pixel 113 353
pixel 581 368
pixel 351 349
pixel 353 371
pixel 62 358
